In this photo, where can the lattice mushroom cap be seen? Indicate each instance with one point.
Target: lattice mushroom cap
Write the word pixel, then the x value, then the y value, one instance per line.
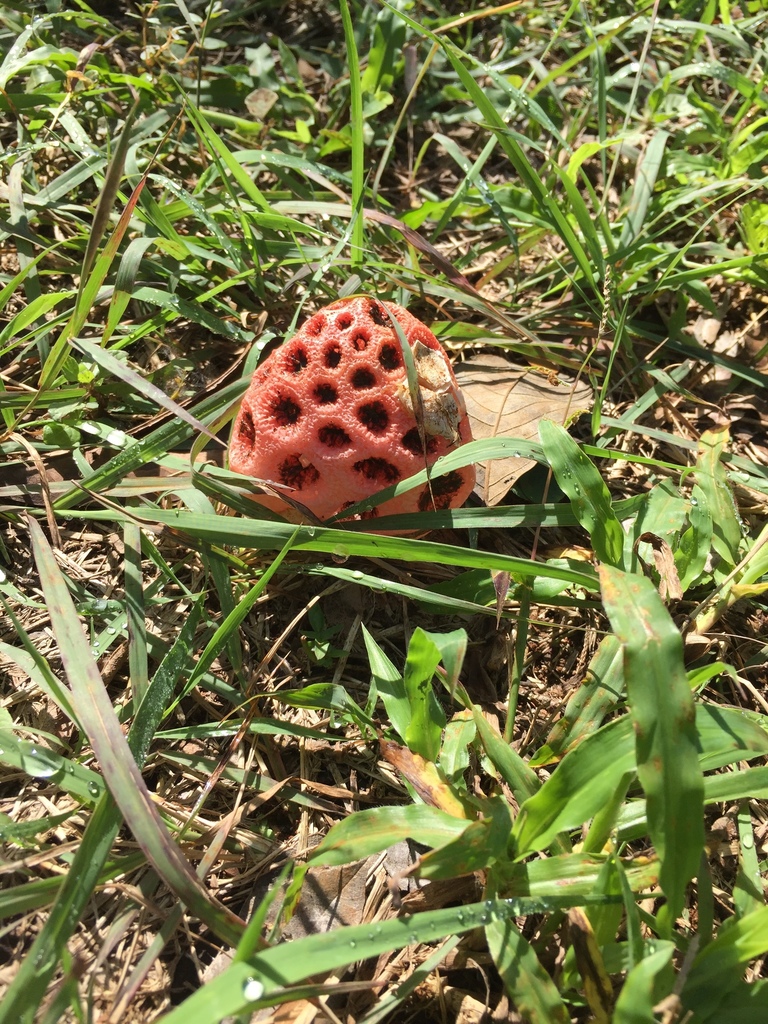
pixel 329 415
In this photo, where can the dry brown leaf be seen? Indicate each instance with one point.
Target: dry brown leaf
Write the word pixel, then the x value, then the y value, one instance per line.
pixel 507 400
pixel 260 102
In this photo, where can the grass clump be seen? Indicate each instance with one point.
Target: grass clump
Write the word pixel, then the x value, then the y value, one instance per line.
pixel 541 729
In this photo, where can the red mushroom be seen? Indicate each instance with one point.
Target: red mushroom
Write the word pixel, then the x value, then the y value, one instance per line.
pixel 329 414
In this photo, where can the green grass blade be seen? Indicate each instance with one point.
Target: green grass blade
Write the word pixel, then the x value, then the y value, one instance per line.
pixel 262 534
pixel 716 973
pixel 533 992
pixel 640 993
pixel 427 719
pixel 711 478
pixel 589 496
pixel 109 743
pixel 663 715
pixel 581 785
pixel 378 828
pixel 647 172
pixel 267 978
pixel 156 445
pixel 357 251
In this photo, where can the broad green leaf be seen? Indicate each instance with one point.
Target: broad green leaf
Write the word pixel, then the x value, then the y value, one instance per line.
pixel 579 787
pixel 641 990
pixel 389 685
pixel 646 173
pixel 663 718
pixel 427 719
pixel 712 479
pixel 586 489
pixel 718 969
pixel 480 845
pixel 378 828
pixel 532 991
pixel 597 695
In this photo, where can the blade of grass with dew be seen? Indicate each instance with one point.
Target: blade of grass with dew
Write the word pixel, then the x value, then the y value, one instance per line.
pixel 269 978
pixel 748 894
pixel 36 761
pixel 116 760
pixel 663 715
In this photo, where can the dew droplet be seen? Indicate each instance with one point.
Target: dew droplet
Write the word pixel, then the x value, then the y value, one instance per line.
pixel 340 555
pixel 694 501
pixel 311 531
pixel 352 944
pixel 252 990
pixel 357 574
pixel 40 764
pixel 93 788
pixel 413 938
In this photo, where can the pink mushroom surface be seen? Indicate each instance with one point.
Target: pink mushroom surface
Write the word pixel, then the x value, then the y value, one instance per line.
pixel 328 416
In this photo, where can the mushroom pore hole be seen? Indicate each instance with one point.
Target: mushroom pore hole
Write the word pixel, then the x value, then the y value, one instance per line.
pixel 374 417
pixel 325 394
pixel 333 436
pixel 389 357
pixel 285 411
pixel 378 471
pixel 297 359
pixel 247 429
pixel 293 473
pixel 363 378
pixel 442 490
pixel 332 355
